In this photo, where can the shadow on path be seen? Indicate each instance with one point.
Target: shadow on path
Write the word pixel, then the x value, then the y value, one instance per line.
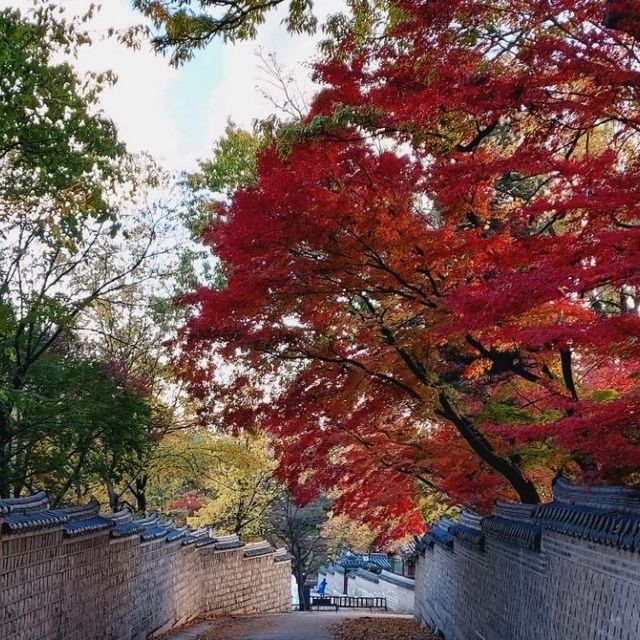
pixel 285 626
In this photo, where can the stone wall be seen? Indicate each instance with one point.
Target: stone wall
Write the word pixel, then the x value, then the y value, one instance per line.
pixel 122 580
pixel 568 570
pixel 398 590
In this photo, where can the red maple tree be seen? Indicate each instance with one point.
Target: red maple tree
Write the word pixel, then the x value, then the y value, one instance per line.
pixel 188 503
pixel 436 279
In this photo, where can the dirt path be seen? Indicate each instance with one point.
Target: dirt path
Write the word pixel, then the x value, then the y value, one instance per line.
pixel 286 626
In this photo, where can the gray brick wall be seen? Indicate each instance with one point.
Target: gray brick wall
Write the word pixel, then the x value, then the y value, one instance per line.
pixel 530 577
pixel 94 587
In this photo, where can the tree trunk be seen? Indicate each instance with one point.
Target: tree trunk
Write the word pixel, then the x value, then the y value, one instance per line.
pixel 300 579
pixel 525 489
pixel 113 497
pixel 141 494
pixel 5 458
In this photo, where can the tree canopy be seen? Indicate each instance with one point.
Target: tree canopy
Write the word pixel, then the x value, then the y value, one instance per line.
pixel 239 486
pixel 82 262
pixel 424 286
pixel 54 148
pixel 434 276
pixel 187 26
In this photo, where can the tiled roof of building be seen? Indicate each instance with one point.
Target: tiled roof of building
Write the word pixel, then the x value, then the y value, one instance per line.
pixel 605 515
pixel 437 534
pixel 370 561
pixel 177 533
pixel 156 532
pixel 518 533
pixel 378 560
pixel 350 561
pixel 29 513
pixel 15 522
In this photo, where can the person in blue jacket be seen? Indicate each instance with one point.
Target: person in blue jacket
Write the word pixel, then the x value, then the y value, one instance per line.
pixel 322 586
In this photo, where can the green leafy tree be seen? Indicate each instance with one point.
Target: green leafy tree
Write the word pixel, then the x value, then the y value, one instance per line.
pixel 128 328
pixel 233 163
pixel 176 471
pixel 232 166
pixel 49 286
pixel 68 246
pixel 56 151
pixel 77 423
pixel 187 26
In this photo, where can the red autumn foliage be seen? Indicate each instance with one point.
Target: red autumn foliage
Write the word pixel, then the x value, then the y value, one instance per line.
pixel 456 304
pixel 188 502
pixel 138 383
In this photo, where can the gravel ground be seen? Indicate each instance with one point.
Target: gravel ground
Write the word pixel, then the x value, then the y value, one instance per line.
pixel 380 629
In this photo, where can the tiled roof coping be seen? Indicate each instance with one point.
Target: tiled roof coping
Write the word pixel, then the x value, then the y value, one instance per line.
pixel 26 504
pixel 256 549
pixel 400 581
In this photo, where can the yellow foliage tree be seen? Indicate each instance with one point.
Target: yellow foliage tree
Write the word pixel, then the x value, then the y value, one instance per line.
pixel 239 486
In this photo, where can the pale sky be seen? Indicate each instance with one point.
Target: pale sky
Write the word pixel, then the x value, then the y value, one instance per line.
pixel 176 114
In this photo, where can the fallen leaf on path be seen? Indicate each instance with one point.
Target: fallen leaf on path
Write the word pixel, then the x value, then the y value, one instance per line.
pixel 381 629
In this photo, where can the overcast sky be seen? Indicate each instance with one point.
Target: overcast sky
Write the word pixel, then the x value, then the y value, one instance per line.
pixel 175 114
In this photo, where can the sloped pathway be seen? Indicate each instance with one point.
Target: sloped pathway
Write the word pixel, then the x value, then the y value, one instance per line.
pixel 286 626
